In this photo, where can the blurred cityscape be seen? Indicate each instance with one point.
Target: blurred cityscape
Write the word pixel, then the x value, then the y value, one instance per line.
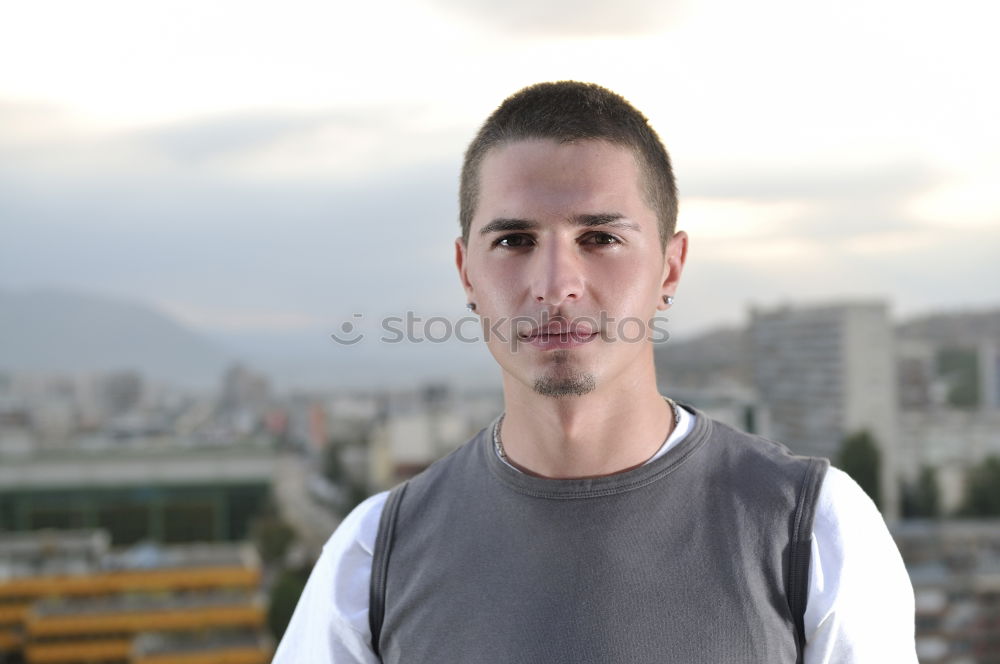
pixel 142 521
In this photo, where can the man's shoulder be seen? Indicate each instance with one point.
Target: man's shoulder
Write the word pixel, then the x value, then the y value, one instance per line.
pixel 756 465
pixel 356 533
pixel 753 447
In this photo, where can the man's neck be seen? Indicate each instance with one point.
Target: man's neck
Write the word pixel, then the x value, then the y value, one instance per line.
pixel 600 433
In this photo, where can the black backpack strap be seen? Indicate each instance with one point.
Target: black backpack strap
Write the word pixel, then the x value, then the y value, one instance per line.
pixel 801 546
pixel 380 564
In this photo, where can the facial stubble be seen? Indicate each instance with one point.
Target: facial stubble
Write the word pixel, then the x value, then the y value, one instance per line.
pixel 562 380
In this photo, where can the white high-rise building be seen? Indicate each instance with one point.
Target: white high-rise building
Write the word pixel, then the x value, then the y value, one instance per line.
pixel 826 372
pixel 989 375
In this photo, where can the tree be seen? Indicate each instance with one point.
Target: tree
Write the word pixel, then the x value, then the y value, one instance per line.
pixel 860 458
pixel 922 499
pixel 960 366
pixel 334 469
pixel 270 533
pixel 272 536
pixel 982 490
pixel 285 595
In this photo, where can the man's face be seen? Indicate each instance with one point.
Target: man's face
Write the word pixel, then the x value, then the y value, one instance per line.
pixel 564 261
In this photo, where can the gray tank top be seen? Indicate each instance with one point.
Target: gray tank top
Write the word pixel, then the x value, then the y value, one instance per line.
pixel 698 557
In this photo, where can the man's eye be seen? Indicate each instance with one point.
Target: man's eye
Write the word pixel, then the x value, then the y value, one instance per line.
pixel 513 241
pixel 603 238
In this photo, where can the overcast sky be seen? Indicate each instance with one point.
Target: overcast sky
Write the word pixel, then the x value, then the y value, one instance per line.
pixel 252 166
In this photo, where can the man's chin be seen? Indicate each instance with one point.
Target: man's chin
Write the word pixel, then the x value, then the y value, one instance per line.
pixel 576 385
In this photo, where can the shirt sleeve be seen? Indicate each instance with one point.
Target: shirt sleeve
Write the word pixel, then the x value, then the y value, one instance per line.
pixel 860 607
pixel 330 622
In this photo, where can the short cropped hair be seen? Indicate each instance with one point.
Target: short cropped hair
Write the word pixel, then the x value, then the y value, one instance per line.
pixel 568 111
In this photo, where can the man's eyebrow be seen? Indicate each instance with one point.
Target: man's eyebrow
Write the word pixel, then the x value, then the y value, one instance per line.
pixel 609 219
pixel 504 224
pixel 612 219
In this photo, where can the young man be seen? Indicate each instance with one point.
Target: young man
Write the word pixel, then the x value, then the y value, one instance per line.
pixel 596 520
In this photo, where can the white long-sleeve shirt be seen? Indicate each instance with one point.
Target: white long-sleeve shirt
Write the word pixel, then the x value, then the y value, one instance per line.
pixel 860 606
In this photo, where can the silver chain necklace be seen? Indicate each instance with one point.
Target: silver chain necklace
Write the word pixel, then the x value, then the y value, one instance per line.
pixel 498 444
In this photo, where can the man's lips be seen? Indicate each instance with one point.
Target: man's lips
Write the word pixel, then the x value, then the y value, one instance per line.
pixel 556 337
pixel 578 331
pixel 573 334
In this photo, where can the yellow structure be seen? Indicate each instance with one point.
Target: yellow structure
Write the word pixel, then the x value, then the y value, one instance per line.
pixel 74 603
pixel 238 647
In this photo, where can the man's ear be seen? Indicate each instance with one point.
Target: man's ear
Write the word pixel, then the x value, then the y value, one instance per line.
pixel 674 258
pixel 463 268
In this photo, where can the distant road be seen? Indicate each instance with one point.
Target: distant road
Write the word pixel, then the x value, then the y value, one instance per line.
pixel 312 522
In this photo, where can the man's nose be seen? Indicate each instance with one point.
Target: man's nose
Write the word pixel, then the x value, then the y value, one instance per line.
pixel 558 273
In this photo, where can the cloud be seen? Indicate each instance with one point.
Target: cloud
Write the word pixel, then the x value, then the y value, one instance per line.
pixel 914 271
pixel 217 136
pixel 836 205
pixel 969 202
pixel 220 318
pixel 22 122
pixel 811 181
pixel 314 247
pixel 566 17
pixel 340 144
